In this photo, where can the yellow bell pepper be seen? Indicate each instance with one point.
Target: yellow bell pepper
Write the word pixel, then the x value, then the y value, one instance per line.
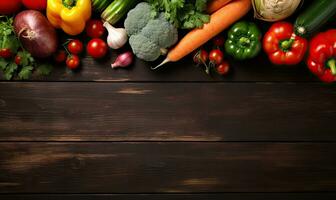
pixel 70 15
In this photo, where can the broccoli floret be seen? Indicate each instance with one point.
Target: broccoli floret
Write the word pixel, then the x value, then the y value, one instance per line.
pixel 137 18
pixel 149 37
pixel 143 48
pixel 161 32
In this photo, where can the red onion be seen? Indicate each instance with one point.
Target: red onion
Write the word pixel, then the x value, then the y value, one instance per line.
pixel 36 34
pixel 123 60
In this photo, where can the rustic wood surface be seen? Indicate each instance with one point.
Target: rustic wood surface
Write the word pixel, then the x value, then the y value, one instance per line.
pixel 262 132
pixel 155 167
pixel 167 112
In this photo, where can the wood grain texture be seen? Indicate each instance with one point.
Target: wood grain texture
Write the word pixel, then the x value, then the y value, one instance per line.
pixel 232 196
pixel 167 112
pixel 111 167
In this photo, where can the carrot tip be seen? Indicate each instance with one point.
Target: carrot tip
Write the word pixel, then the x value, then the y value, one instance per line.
pixel 160 65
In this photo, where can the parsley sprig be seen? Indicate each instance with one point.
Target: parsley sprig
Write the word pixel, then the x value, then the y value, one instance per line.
pixel 184 14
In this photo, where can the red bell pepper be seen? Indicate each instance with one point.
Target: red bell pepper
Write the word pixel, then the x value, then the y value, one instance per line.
pixel 282 46
pixel 322 56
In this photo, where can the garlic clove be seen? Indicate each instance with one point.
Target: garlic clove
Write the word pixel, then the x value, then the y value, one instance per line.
pixel 117 37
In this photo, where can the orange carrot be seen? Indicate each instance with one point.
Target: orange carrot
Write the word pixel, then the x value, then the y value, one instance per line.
pixel 215 5
pixel 219 21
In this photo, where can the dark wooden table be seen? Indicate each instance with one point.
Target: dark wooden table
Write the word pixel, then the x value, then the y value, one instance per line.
pixel 263 132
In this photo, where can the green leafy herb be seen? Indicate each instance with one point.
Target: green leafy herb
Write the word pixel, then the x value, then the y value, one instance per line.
pixel 27 64
pixel 185 14
pixel 7 35
pixel 10 70
pixel 26 72
pixel 44 69
pixel 3 64
pixel 26 58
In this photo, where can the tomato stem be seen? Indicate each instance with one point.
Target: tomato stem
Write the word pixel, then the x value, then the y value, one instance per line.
pixel 332 65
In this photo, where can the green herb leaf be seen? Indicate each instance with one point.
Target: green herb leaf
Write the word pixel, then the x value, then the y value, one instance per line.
pixel 185 14
pixel 26 58
pixel 25 72
pixel 7 35
pixel 44 69
pixel 10 70
pixel 201 5
pixel 3 64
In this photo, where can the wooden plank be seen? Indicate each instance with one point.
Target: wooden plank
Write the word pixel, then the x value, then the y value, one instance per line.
pixel 137 112
pixel 192 167
pixel 230 196
pixel 167 112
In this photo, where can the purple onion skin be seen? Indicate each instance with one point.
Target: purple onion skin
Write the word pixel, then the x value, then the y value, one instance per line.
pixel 36 34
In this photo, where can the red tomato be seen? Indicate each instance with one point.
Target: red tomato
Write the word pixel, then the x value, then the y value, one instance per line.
pixel 216 56
pixel 218 41
pixel 17 59
pixel 60 56
pixel 5 53
pixel 35 4
pixel 75 47
pixel 223 68
pixel 72 62
pixel 9 6
pixel 95 28
pixel 97 48
pixel 201 57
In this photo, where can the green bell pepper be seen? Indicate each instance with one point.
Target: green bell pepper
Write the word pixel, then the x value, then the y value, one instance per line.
pixel 244 40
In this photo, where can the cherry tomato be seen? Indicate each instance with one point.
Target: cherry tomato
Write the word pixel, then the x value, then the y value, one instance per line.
pixel 72 62
pixel 201 57
pixel 223 68
pixel 218 41
pixel 35 4
pixel 97 48
pixel 75 47
pixel 5 53
pixel 216 56
pixel 94 28
pixel 9 6
pixel 17 59
pixel 60 56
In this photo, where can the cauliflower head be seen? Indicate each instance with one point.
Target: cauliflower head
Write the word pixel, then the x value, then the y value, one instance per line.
pixel 149 37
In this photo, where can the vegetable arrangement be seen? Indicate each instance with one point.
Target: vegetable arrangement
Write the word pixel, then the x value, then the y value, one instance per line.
pixel 15 61
pixel 149 29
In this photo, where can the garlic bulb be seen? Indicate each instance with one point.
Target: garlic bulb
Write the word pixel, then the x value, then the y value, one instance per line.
pixel 117 37
pixel 274 10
